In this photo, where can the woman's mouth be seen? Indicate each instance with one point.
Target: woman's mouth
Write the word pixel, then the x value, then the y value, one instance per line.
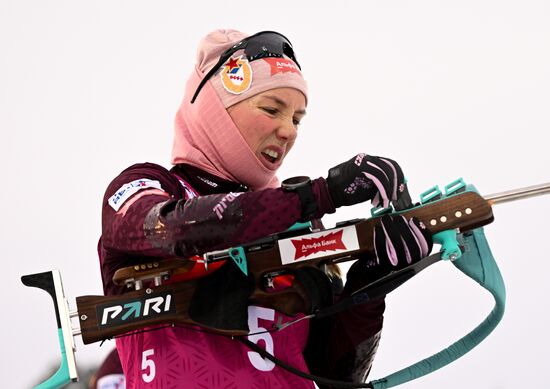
pixel 271 158
pixel 271 155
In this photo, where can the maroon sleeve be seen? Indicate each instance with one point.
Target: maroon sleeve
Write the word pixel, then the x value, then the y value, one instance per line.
pixel 122 229
pixel 161 223
pixel 219 221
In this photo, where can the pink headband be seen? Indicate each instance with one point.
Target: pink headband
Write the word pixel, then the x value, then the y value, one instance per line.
pixel 240 79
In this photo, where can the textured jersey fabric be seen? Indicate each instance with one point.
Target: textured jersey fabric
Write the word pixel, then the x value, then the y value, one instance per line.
pixel 178 357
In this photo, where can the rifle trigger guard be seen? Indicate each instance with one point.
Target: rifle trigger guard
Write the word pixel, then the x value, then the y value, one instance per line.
pixel 450 250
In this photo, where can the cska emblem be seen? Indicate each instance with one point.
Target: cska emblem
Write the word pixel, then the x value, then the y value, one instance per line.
pixel 236 75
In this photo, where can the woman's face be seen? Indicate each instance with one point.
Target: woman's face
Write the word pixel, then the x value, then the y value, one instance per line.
pixel 269 123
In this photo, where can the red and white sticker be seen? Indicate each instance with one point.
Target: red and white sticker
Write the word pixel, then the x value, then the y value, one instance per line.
pixel 282 65
pixel 318 244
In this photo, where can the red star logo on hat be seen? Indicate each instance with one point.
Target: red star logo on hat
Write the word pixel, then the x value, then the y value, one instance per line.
pixel 232 63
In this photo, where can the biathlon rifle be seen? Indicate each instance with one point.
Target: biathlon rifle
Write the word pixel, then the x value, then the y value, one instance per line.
pixel 155 298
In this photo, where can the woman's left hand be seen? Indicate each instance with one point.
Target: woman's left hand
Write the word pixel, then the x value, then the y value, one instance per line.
pixel 400 242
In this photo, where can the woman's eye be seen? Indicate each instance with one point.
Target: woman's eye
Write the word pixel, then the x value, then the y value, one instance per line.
pixel 269 110
pixel 296 121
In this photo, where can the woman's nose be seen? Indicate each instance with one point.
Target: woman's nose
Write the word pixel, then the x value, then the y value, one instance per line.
pixel 287 130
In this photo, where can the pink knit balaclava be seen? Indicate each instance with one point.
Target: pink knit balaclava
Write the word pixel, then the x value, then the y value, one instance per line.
pixel 205 135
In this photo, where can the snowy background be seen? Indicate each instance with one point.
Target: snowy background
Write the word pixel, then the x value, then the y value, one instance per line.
pixel 449 89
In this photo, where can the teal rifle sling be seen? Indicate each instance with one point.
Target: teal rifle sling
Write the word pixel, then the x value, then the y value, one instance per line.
pixel 476 262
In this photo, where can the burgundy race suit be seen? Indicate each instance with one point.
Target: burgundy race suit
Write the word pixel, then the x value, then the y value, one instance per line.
pixel 197 212
pixel 109 375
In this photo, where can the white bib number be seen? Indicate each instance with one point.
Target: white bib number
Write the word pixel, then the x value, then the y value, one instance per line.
pixel 254 315
pixel 149 365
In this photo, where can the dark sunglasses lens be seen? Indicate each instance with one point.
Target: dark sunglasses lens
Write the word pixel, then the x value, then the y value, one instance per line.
pixel 289 52
pixel 269 44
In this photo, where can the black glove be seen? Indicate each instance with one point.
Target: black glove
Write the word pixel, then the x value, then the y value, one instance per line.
pixel 363 178
pixel 399 242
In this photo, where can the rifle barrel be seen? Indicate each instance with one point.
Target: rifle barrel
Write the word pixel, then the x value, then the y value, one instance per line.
pixel 518 194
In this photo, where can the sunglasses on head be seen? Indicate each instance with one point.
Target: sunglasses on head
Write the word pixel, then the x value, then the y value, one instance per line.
pixel 261 45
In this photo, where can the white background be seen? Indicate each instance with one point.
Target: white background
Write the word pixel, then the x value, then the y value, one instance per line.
pixel 447 88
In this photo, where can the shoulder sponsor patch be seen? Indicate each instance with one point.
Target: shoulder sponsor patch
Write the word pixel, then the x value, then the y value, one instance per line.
pixel 127 190
pixel 318 244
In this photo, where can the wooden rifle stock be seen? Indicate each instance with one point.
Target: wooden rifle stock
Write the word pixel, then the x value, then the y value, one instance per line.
pixel 102 317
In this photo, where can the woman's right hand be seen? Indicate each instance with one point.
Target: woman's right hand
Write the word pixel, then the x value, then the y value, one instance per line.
pixel 366 177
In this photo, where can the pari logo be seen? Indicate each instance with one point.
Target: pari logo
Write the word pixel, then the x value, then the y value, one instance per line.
pixel 319 244
pixel 133 310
